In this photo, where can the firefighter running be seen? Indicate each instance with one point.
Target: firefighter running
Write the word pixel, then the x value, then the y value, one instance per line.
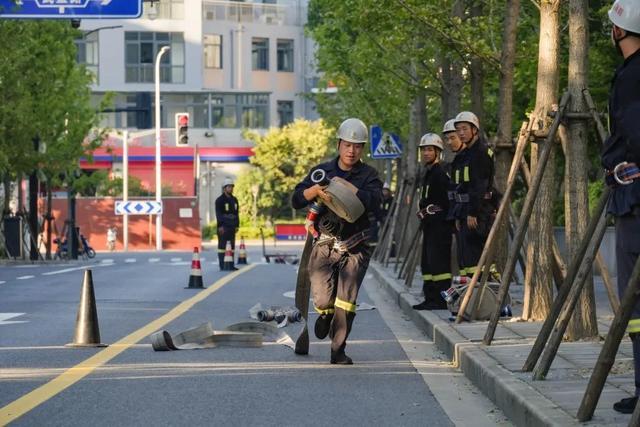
pixel 228 221
pixel 340 255
pixel 475 199
pixel 436 229
pixel 621 157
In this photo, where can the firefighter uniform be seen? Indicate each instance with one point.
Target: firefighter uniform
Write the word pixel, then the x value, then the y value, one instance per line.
pixel 336 274
pixel 436 236
pixel 472 174
pixel 624 146
pixel 228 222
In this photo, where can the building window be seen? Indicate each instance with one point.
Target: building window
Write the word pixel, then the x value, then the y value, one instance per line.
pixel 285 55
pixel 260 53
pixel 87 52
pixel 141 49
pixel 213 51
pixel 165 9
pixel 285 112
pixel 235 110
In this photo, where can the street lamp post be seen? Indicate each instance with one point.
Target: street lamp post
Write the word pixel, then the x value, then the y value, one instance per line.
pixel 158 158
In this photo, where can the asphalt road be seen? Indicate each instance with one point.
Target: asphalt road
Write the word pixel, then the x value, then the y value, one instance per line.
pixel 393 381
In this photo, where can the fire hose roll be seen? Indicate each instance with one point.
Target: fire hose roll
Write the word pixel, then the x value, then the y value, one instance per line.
pixel 344 201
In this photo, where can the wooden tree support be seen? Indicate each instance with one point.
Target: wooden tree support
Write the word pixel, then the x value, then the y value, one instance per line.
pixel 610 348
pixel 392 228
pixel 586 266
pixel 523 224
pixel 401 252
pixel 564 290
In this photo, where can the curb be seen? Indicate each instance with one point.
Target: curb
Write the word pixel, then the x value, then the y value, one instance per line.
pixel 520 402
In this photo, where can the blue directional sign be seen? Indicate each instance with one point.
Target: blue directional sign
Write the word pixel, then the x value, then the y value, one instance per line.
pixel 70 9
pixel 138 207
pixel 384 145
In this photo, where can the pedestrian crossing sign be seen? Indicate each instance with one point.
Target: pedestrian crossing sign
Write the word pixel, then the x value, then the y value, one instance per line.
pixel 384 145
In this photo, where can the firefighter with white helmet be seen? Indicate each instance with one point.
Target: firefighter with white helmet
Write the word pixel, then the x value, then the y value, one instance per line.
pixel 451 136
pixel 621 159
pixel 340 255
pixel 436 229
pixel 475 199
pixel 227 216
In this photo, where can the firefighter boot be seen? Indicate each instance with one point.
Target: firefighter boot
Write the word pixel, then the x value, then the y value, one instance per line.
pixel 323 325
pixel 340 358
pixel 340 329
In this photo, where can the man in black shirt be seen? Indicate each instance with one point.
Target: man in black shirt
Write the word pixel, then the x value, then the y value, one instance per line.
pixel 228 220
pixel 474 209
pixel 340 254
pixel 621 159
pixel 436 229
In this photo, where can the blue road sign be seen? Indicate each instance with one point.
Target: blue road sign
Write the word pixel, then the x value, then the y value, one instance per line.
pixel 70 9
pixel 384 145
pixel 138 207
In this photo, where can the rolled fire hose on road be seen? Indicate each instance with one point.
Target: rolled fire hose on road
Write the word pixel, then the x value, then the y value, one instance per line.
pixel 244 334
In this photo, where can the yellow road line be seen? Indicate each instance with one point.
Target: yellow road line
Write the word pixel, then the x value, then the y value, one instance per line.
pixel 24 404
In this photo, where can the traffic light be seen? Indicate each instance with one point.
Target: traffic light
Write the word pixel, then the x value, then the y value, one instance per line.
pixel 182 129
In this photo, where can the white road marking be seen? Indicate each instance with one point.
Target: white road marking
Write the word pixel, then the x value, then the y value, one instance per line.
pixel 107 261
pixel 290 294
pixel 4 318
pixel 180 263
pixel 176 259
pixel 25 277
pixel 65 270
pixel 2 281
pixel 130 260
pixel 154 259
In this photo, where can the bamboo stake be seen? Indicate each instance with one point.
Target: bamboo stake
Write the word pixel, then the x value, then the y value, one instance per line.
pixel 411 272
pixel 574 295
pixel 608 282
pixel 523 223
pixel 411 248
pixel 379 251
pixel 488 250
pixel 594 114
pixel 563 292
pixel 610 347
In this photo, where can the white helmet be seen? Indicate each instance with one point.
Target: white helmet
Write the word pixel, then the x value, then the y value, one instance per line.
pixel 353 130
pixel 431 139
pixel 626 15
pixel 386 186
pixel 449 126
pixel 227 181
pixel 467 117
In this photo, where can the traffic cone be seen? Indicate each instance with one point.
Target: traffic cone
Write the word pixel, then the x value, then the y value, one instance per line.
pixel 242 252
pixel 195 278
pixel 228 258
pixel 87 332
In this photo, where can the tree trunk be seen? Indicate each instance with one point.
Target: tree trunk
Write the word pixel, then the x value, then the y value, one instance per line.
pixel 539 276
pixel 576 197
pixel 504 142
pixel 7 195
pixel 477 75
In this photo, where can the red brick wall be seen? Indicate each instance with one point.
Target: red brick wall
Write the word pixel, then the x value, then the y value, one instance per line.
pixel 95 215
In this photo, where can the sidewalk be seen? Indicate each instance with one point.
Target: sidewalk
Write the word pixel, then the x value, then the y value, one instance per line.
pixel 496 370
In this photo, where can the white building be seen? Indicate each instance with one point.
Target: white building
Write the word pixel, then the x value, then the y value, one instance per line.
pixel 232 65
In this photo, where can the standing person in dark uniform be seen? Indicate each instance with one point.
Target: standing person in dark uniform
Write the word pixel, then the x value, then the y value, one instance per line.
pixel 228 220
pixel 436 229
pixel 340 255
pixel 621 158
pixel 472 173
pixel 387 199
pixel 456 146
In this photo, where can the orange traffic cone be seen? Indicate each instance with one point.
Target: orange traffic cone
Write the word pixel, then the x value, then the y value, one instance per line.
pixel 228 258
pixel 195 278
pixel 242 252
pixel 87 332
